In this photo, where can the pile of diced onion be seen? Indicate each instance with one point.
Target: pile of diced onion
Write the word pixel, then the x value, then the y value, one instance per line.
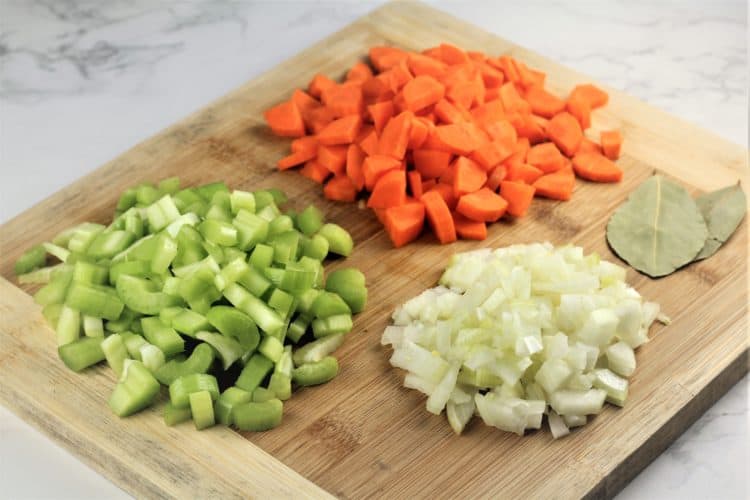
pixel 515 333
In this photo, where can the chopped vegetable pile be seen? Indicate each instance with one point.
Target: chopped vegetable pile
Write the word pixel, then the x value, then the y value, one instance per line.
pixel 520 332
pixel 458 138
pixel 187 285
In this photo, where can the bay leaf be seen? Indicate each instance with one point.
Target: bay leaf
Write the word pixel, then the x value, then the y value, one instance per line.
pixel 658 229
pixel 723 210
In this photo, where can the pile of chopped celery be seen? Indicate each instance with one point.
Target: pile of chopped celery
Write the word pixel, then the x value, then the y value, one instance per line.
pixel 516 333
pixel 188 284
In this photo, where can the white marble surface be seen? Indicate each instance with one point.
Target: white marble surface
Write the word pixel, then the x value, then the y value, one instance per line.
pixel 81 81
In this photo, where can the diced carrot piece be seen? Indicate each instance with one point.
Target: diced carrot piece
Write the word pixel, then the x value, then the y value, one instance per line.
pixel 468 229
pixel 594 96
pixel 433 52
pixel 502 131
pixel 596 167
pixel 428 184
pixel 492 153
pixel 439 217
pixel 488 114
pixel 518 195
pixel 341 131
pixel 395 137
pixel 420 129
pixel 543 103
pixel 389 190
pixel 404 223
pixel 512 100
pixel 306 104
pixel 538 77
pixel 369 143
pixel 422 91
pixel 523 172
pixel 491 93
pixel 340 188
pixel 431 164
pixel 355 157
pixel 450 54
pixel 285 120
pixel 492 77
pixel 588 146
pixel 465 94
pixel 344 99
pixel 318 118
pixel 461 138
pixel 611 142
pixel 475 55
pixel 446 193
pixel 483 205
pixel 505 64
pixel 375 89
pixel 375 166
pixel 315 171
pixel 333 158
pixel 527 126
pixel 565 132
pixel 447 112
pixel 580 109
pixel 469 176
pixel 295 159
pixel 423 65
pixel 360 72
pixel 307 144
pixel 557 186
pixel 415 184
pixel 546 157
pixel 380 112
pixel 319 84
pixel 496 176
pixel 527 78
pixel 383 57
pixel 396 77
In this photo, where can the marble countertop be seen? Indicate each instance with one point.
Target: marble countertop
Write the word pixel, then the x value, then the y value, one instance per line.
pixel 81 83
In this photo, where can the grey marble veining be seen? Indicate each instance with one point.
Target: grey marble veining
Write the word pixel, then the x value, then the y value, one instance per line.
pixel 83 80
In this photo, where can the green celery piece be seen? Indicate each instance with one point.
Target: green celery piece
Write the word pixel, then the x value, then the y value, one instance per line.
pixel 202 409
pixel 280 224
pixel 316 373
pixel 241 200
pixel 227 400
pixel 256 369
pixel 218 232
pixel 251 229
pixel 234 269
pixel 135 391
pixel 93 326
pixel 329 304
pixel 189 322
pixel 174 416
pixel 282 302
pixel 33 258
pixel 207 191
pixel 82 235
pixel 162 336
pixel 56 290
pixel 127 200
pixel 215 251
pixel 143 296
pixel 272 348
pixel 87 272
pixel 146 194
pixel 339 323
pixel 164 254
pixel 264 317
pixel 306 300
pixel 297 278
pixel 189 247
pixel 56 251
pixel 133 343
pixel 186 219
pixel 115 352
pixel 285 246
pixel 161 213
pixel 82 353
pixel 261 257
pixel 229 350
pixel 152 357
pixel 281 385
pixel 218 213
pixel 269 212
pixel 339 240
pixel 298 327
pixel 109 244
pixel 223 200
pixel 279 196
pixel 318 349
pixel 274 274
pixel 316 247
pixel 349 284
pixel 186 197
pixel 139 268
pixel 68 326
pixel 167 314
pixel 235 324
pixel 255 282
pixel 181 388
pixel 169 185
pixel 95 300
pixel 261 394
pixel 310 220
pixel 123 323
pixel 258 416
pixel 263 199
pixel 40 276
pixel 199 361
pixel 51 313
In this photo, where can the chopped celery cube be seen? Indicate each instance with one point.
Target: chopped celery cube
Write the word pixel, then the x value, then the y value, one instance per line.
pixel 258 416
pixel 162 336
pixel 256 369
pixel 349 284
pixel 339 323
pixel 31 259
pixel 174 415
pixel 199 361
pixel 271 348
pixel 181 389
pixel 135 391
pixel 229 349
pixel 81 353
pixel 339 240
pixel 227 401
pixel 310 220
pixel 316 373
pixel 235 324
pixel 202 409
pixel 329 304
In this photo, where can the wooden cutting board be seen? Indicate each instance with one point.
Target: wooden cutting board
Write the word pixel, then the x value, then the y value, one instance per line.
pixel 363 435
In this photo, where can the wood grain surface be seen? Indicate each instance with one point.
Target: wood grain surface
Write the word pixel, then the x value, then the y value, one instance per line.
pixel 363 435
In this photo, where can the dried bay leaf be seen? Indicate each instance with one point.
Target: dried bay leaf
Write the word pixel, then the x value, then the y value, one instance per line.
pixel 658 229
pixel 723 210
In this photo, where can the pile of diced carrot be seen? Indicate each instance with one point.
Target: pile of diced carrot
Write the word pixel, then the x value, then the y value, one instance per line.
pixel 456 137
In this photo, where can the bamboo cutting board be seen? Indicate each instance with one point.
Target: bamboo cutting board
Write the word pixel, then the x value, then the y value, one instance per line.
pixel 363 435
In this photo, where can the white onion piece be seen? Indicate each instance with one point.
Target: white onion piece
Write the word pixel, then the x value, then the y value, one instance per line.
pixel 519 332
